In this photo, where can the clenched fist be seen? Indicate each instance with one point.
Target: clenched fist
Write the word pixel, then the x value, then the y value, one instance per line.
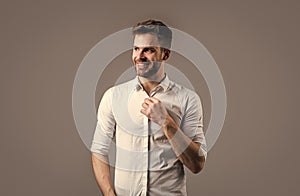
pixel 154 109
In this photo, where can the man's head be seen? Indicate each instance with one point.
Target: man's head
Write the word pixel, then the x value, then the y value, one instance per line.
pixel 151 47
pixel 157 28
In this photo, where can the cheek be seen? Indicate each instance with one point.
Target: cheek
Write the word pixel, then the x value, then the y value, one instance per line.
pixel 133 56
pixel 151 57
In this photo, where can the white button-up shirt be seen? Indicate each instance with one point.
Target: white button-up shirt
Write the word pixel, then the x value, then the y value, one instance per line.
pixel 145 162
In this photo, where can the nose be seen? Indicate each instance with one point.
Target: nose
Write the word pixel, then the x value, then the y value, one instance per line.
pixel 140 55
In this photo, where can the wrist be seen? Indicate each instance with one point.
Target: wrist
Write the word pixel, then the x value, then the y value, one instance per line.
pixel 169 125
pixel 167 122
pixel 109 192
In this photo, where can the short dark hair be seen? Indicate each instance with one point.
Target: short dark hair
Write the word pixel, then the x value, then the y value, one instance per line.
pixel 158 28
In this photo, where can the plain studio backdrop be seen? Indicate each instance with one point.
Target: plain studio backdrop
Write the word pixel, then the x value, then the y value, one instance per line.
pixel 255 44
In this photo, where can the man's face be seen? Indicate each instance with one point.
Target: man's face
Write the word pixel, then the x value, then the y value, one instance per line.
pixel 146 55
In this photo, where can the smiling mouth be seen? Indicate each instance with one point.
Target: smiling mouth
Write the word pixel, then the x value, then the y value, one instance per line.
pixel 142 65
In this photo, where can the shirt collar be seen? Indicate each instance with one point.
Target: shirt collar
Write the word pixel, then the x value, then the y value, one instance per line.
pixel 137 83
pixel 165 83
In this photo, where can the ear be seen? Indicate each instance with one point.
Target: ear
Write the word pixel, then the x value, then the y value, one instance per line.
pixel 166 54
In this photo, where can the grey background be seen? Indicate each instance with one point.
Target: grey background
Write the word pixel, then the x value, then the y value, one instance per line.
pixel 255 44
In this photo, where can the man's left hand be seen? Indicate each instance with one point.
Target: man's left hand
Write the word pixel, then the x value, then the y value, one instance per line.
pixel 154 109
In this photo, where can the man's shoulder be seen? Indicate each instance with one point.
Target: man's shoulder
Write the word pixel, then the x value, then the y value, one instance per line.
pixel 183 91
pixel 188 98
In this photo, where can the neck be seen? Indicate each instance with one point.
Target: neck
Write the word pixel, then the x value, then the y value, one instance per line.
pixel 150 83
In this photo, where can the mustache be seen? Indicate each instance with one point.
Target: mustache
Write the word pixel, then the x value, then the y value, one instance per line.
pixel 142 61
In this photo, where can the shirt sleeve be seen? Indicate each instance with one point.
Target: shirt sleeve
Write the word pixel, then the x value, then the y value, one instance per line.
pixel 105 127
pixel 192 121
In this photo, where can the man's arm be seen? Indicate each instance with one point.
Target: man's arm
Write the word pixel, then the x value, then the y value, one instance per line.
pixel 103 136
pixel 190 153
pixel 102 174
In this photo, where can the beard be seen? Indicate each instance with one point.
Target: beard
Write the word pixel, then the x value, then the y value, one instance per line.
pixel 148 72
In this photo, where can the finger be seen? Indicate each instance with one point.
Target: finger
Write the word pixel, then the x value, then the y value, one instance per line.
pixel 154 100
pixel 145 105
pixel 148 101
pixel 143 111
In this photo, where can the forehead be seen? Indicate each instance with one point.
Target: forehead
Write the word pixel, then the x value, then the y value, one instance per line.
pixel 146 40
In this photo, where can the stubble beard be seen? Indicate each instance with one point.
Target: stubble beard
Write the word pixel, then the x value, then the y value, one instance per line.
pixel 149 73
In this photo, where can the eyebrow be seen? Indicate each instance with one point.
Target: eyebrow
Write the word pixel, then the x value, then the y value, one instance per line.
pixel 154 47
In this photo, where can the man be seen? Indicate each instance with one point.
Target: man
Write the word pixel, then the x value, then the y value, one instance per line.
pixel 157 124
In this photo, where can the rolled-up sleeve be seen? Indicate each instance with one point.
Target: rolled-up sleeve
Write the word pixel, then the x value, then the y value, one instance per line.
pixel 192 122
pixel 105 127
